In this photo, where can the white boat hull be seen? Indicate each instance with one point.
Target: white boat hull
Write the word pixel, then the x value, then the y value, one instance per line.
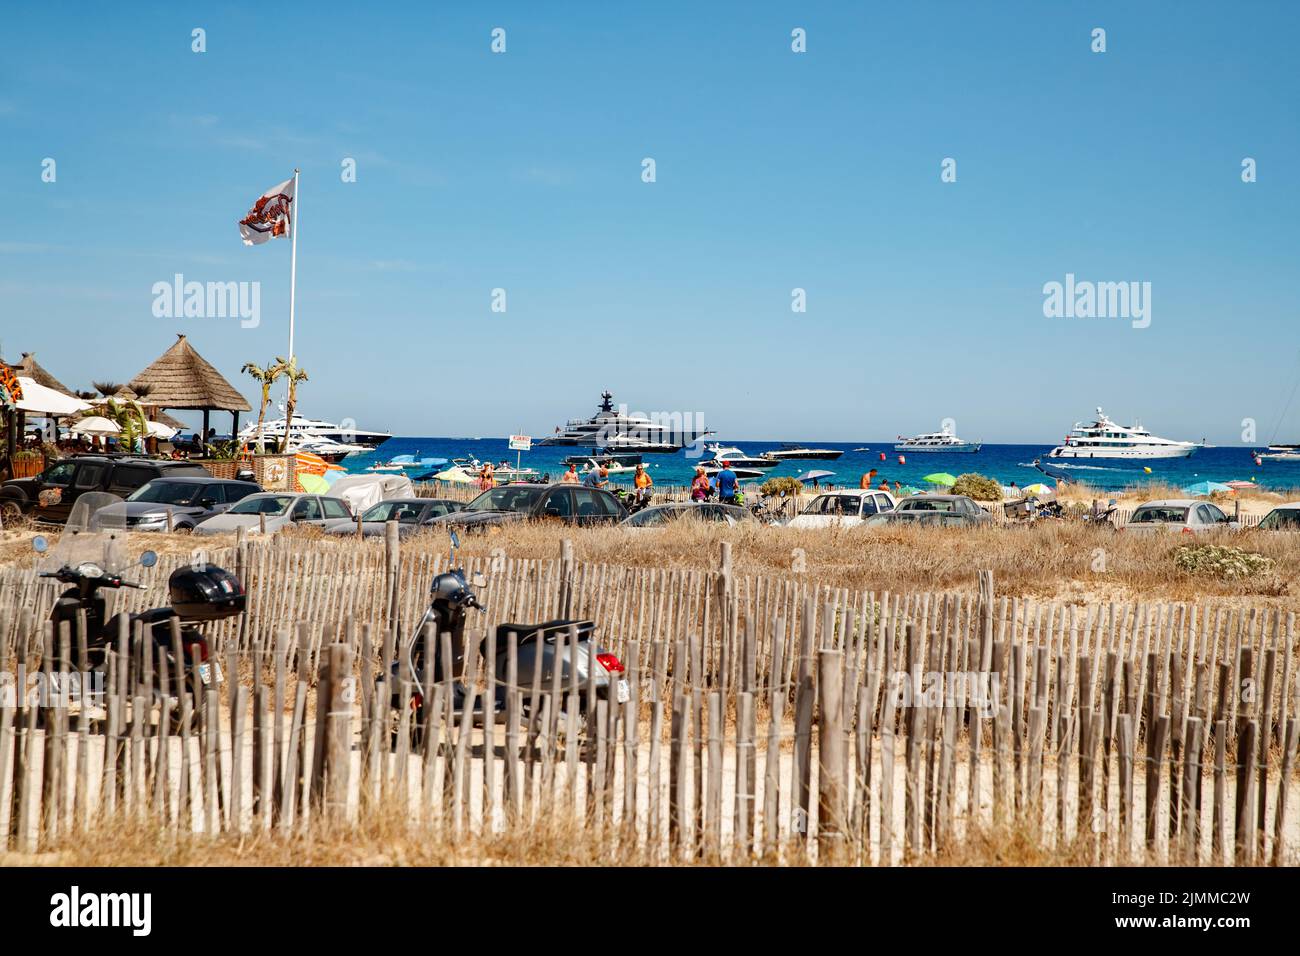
pixel 1122 454
pixel 943 449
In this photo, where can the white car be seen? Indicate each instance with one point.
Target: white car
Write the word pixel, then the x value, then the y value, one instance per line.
pixel 279 509
pixel 843 509
pixel 1185 515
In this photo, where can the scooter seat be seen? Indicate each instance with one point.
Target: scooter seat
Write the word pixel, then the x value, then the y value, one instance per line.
pixel 547 630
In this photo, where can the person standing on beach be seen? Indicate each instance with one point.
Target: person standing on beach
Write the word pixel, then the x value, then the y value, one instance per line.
pixel 699 485
pixel 727 484
pixel 597 478
pixel 570 476
pixel 867 479
pixel 487 478
pixel 642 481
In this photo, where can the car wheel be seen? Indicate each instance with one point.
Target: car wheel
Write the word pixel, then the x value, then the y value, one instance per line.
pixel 11 514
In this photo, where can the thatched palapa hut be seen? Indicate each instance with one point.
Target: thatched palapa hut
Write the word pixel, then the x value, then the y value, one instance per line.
pixel 182 378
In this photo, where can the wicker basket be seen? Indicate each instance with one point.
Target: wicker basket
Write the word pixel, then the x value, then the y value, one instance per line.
pixel 276 472
pixel 225 468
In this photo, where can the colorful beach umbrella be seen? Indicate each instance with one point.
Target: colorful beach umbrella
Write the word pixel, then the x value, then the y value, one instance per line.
pixel 313 484
pixel 815 475
pixel 940 478
pixel 455 476
pixel 1205 488
pixel 1038 488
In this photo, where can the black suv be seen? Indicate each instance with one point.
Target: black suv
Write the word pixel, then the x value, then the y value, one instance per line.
pixel 49 496
pixel 565 503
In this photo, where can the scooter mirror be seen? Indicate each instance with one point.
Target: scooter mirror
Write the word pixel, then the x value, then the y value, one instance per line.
pixel 479 580
pixel 39 544
pixel 149 559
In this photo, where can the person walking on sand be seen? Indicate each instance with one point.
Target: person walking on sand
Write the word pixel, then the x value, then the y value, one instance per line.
pixel 728 484
pixel 699 485
pixel 570 476
pixel 867 479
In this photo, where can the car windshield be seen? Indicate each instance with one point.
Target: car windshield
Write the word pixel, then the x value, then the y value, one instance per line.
pixel 167 492
pixel 507 498
pixel 405 512
pixel 1282 518
pixel 269 505
pixel 1159 515
pixel 927 504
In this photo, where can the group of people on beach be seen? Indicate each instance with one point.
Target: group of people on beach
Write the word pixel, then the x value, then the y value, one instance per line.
pixel 868 479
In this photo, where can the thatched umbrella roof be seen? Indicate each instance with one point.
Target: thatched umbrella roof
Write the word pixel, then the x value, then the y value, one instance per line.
pixel 30 368
pixel 182 378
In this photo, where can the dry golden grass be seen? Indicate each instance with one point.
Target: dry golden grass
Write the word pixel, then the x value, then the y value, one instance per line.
pixel 1051 560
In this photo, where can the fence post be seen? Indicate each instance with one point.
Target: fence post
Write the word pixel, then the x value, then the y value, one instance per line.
pixel 830 756
pixel 392 565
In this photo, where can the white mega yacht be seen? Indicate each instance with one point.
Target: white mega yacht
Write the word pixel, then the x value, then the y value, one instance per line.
pixel 1104 438
pixel 617 430
pixel 309 429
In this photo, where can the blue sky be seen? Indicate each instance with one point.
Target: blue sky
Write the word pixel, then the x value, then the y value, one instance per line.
pixel 775 170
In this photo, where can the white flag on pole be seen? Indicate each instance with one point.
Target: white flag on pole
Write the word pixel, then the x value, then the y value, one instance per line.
pixel 271 216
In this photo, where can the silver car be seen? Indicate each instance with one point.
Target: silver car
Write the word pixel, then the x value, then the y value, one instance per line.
pixel 279 510
pixel 1185 515
pixel 1282 518
pixel 949 511
pixel 183 501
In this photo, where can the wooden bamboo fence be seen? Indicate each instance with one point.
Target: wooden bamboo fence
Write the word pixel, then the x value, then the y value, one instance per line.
pixel 769 717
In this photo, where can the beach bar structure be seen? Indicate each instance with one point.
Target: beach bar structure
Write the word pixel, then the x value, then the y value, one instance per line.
pixel 181 378
pixel 39 394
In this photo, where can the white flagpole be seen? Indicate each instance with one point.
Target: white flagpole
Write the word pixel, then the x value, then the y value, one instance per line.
pixel 293 260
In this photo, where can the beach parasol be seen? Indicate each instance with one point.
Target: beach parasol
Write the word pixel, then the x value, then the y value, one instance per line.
pixel 159 430
pixel 1241 484
pixel 1038 488
pixel 456 476
pixel 940 478
pixel 1205 488
pixel 95 425
pixel 313 484
pixel 815 475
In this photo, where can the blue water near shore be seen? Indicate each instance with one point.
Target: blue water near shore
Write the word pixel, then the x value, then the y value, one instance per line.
pixel 1007 463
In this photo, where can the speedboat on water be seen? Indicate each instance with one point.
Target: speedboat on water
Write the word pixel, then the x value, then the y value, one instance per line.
pixel 1104 439
pixel 943 441
pixel 793 452
pixel 737 459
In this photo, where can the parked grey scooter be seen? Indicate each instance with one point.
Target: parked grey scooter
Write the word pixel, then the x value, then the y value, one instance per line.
pixel 451 598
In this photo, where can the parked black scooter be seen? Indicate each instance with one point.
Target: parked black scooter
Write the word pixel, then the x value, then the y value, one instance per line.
pixel 451 600
pixel 87 557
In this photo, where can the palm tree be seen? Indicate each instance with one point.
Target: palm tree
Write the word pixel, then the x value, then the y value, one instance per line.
pixel 128 415
pixel 265 377
pixel 107 389
pixel 288 368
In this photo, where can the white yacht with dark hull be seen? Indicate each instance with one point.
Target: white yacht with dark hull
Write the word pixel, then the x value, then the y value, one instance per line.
pixel 307 429
pixel 792 452
pixel 1106 439
pixel 617 430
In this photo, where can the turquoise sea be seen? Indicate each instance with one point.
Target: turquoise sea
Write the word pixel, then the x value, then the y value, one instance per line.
pixel 1006 463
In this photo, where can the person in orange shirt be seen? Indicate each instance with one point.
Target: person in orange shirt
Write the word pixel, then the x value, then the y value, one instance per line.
pixel 643 482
